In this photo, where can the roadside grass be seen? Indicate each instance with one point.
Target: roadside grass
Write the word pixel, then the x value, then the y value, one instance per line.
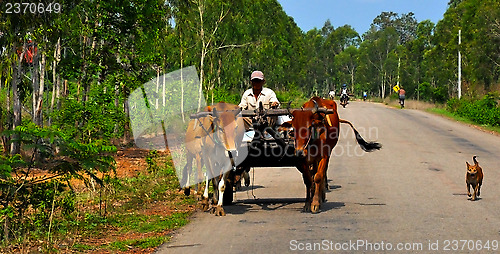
pixel 150 242
pixel 132 214
pixel 437 109
pixel 141 223
pixel 445 113
pixel 143 210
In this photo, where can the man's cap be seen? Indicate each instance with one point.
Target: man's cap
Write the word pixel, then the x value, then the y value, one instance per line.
pixel 257 75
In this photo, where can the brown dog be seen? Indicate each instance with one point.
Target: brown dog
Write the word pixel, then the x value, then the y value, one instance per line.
pixel 474 178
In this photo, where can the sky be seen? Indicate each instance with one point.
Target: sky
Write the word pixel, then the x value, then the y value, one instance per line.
pixel 358 13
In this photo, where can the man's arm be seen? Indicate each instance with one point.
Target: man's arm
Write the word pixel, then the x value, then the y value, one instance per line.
pixel 243 104
pixel 273 100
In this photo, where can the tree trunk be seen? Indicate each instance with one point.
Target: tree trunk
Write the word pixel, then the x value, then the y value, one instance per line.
pixel 55 78
pixel 35 74
pixel 163 90
pixel 182 79
pixel 17 70
pixel 37 114
pixel 126 127
pixel 117 101
pixel 157 86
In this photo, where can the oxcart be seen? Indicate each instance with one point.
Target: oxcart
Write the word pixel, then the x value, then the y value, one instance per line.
pixel 268 143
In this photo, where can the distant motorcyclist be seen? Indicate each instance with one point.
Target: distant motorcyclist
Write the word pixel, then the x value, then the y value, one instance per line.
pixel 402 96
pixel 344 91
pixel 365 95
pixel 331 94
pixel 344 96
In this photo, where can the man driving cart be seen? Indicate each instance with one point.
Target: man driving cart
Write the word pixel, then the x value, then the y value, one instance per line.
pixel 258 94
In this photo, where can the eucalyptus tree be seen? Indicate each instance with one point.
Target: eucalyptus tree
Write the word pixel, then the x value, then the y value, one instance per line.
pixel 18 27
pixel 479 47
pixel 415 71
pixel 377 56
pixel 346 63
pixel 344 41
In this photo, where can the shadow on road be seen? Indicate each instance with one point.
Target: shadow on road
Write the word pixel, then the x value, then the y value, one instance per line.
pixel 270 204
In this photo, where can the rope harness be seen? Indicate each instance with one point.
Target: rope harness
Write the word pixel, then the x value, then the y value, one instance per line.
pixel 314 133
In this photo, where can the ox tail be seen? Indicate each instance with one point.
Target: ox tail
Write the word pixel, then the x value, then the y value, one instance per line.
pixel 474 159
pixel 366 146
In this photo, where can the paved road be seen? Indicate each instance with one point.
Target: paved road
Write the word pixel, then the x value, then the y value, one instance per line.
pixel 411 194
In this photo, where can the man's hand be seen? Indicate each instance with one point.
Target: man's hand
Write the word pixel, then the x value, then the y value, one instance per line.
pixel 274 104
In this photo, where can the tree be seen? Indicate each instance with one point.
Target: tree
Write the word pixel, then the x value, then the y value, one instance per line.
pixel 378 54
pixel 347 62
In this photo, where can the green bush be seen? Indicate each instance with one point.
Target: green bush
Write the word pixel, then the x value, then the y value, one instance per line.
pixel 97 118
pixel 484 111
pixel 27 204
pixel 224 95
pixel 295 95
pixel 425 91
pixel 436 94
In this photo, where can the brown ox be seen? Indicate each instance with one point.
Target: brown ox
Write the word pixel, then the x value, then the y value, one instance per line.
pixel 316 134
pixel 196 133
pixel 214 139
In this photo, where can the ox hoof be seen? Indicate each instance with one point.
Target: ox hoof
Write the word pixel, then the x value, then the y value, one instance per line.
pixel 314 208
pixel 218 211
pixel 307 208
pixel 204 205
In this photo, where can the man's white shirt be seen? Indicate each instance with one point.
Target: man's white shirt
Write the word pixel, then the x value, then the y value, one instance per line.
pixel 266 96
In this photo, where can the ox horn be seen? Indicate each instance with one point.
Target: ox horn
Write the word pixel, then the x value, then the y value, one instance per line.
pixel 236 112
pixel 288 108
pixel 315 107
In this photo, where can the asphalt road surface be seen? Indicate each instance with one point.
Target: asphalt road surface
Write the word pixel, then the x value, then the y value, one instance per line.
pixel 408 197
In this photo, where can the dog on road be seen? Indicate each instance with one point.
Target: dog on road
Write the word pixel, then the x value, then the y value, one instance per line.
pixel 474 178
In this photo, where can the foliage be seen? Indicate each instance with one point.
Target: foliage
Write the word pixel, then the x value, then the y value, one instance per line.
pixel 97 118
pixel 136 202
pixel 484 111
pixel 30 199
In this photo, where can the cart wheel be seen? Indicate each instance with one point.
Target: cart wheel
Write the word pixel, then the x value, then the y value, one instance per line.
pixel 227 198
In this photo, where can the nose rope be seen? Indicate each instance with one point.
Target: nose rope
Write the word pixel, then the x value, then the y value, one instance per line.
pixel 313 134
pixel 310 138
pixel 216 140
